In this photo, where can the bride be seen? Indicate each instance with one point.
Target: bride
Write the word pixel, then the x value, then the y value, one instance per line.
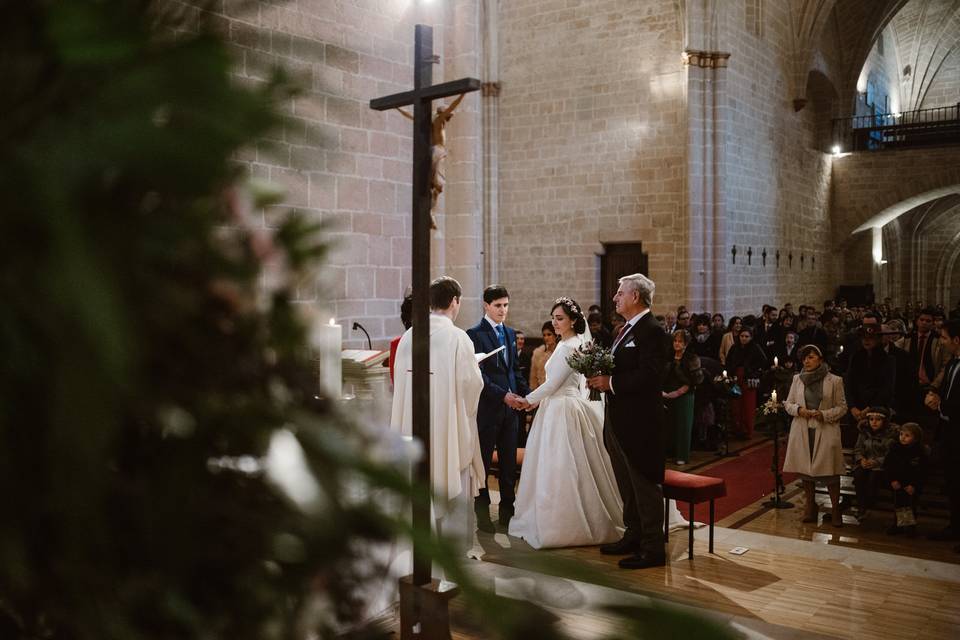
pixel 568 495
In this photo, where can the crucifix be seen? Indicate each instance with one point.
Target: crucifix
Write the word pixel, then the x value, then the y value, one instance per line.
pixel 763 256
pixel 749 255
pixel 423 600
pixel 733 252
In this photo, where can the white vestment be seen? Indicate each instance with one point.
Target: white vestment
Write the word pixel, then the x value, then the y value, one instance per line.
pixel 456 468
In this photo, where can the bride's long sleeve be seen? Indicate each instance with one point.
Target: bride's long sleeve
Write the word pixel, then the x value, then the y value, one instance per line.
pixel 557 371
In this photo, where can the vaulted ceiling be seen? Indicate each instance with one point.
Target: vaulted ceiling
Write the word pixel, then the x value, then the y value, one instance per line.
pixel 925 33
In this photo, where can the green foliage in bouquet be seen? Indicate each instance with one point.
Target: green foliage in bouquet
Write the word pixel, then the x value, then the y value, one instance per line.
pixel 591 360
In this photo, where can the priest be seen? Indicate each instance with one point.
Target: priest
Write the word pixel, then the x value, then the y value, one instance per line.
pixel 456 467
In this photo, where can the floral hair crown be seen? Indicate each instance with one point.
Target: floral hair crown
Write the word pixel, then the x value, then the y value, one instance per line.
pixel 570 304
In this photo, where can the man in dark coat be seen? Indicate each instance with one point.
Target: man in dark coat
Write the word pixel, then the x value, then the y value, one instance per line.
pixel 944 398
pixel 503 388
pixel 871 376
pixel 634 426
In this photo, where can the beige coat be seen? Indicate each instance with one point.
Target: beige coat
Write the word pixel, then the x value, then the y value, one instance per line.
pixel 827 451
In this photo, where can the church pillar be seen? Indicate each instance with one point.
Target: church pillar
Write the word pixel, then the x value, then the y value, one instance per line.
pixel 458 244
pixel 706 189
pixel 490 109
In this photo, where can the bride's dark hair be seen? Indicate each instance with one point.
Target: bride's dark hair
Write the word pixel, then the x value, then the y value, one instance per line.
pixel 573 311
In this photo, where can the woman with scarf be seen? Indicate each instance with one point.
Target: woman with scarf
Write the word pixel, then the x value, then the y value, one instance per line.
pixel 817 404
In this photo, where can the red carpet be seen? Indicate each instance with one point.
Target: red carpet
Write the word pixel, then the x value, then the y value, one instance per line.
pixel 748 477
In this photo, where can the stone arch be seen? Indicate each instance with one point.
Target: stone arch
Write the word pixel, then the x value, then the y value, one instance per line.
pixel 870 189
pixel 947 273
pixel 891 213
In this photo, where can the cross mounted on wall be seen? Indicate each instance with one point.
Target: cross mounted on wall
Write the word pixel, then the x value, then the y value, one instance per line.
pixel 420 592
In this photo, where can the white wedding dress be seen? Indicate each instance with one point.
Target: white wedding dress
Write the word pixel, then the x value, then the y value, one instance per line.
pixel 568 495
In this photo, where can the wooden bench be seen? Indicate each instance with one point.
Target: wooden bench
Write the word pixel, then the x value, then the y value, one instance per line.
pixel 693 489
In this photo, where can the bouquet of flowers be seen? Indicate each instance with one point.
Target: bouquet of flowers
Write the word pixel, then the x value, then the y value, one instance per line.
pixel 769 414
pixel 591 360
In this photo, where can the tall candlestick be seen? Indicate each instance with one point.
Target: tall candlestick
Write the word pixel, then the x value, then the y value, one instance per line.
pixel 328 340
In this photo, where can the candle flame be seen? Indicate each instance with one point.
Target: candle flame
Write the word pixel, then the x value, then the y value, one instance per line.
pixel 333 321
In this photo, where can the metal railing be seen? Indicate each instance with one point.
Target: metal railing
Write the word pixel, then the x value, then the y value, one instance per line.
pixel 923 127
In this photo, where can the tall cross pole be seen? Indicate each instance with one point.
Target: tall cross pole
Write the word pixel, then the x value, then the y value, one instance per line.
pixel 421 98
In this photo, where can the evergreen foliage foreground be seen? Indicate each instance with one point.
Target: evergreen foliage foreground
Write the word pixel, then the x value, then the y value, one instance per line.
pixel 144 371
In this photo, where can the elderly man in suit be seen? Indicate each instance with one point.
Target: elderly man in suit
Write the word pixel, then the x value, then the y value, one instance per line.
pixel 503 390
pixel 634 426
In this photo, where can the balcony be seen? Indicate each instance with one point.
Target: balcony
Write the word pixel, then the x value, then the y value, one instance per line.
pixel 905 130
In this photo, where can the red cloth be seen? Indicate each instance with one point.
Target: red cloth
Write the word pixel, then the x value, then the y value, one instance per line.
pixel 688 487
pixel 744 408
pixel 393 354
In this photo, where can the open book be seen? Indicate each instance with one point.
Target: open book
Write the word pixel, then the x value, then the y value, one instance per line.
pixel 483 356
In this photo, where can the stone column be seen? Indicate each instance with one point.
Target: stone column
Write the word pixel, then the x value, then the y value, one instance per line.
pixel 491 136
pixel 458 243
pixel 706 191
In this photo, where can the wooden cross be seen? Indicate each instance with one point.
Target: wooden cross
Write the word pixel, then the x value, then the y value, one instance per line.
pixel 420 98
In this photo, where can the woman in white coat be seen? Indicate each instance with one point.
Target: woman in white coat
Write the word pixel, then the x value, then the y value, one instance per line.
pixel 817 404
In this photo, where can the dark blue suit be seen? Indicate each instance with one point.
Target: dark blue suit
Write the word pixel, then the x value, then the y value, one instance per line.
pixel 496 422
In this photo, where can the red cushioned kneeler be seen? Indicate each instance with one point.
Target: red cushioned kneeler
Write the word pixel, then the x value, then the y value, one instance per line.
pixel 693 489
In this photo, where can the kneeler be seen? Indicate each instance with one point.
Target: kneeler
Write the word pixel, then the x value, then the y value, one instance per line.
pixel 693 489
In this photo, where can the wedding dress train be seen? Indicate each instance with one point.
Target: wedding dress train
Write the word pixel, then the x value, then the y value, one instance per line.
pixel 568 495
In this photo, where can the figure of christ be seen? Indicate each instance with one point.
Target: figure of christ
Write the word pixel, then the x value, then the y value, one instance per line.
pixel 456 466
pixel 438 151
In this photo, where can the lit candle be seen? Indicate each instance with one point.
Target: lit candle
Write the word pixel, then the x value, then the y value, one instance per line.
pixel 776 363
pixel 773 396
pixel 724 373
pixel 328 340
pixel 841 349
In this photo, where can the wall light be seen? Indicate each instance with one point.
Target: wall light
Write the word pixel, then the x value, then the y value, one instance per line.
pixel 835 150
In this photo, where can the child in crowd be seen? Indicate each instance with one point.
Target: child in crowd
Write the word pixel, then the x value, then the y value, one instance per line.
pixel 906 465
pixel 875 436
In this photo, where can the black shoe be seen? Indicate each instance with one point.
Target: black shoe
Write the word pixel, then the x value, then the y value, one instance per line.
pixel 945 534
pixel 504 518
pixel 622 547
pixel 484 523
pixel 643 560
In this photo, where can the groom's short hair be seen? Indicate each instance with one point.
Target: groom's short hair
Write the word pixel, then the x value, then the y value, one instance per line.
pixel 642 285
pixel 495 292
pixel 442 292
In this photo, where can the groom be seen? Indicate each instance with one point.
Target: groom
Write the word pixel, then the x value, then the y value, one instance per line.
pixel 634 426
pixel 503 391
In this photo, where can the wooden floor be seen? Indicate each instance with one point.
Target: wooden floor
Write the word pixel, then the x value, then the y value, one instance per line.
pixel 800 580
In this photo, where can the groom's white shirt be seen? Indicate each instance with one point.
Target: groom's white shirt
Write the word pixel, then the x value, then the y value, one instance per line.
pixel 632 321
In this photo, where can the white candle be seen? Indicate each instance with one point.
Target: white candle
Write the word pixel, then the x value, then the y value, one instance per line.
pixel 773 396
pixel 329 345
pixel 724 373
pixel 841 349
pixel 776 363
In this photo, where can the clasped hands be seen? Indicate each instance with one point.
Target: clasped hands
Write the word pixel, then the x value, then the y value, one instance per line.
pixel 514 401
pixel 803 412
pixel 896 486
pixel 932 400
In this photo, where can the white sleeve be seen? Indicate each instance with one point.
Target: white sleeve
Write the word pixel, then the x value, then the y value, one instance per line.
pixel 557 371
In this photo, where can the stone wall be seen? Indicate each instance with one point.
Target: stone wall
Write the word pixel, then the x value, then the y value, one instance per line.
pixel 350 167
pixel 778 182
pixel 591 147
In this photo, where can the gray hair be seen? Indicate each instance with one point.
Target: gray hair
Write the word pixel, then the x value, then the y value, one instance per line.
pixel 642 285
